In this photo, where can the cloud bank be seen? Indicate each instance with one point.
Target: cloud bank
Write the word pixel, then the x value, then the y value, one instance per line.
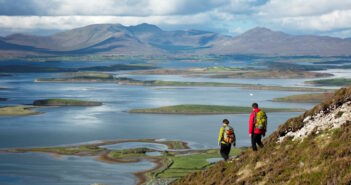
pixel 323 17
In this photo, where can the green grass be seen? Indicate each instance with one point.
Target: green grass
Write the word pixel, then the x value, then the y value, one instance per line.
pixel 332 82
pixel 272 74
pixel 134 152
pixel 221 69
pixel 207 109
pixel 305 98
pixel 74 150
pixel 17 111
pixel 185 164
pixel 92 75
pixel 65 102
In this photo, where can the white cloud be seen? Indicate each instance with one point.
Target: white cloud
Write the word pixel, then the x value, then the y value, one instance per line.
pixel 229 16
pixel 325 24
pixel 69 22
pixel 299 8
pixel 108 7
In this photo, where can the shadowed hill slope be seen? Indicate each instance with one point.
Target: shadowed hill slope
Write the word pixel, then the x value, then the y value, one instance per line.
pixel 313 148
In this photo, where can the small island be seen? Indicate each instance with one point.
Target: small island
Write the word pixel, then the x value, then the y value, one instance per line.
pixel 331 82
pixel 305 98
pixel 19 110
pixel 272 74
pixel 207 109
pixel 80 77
pixel 65 102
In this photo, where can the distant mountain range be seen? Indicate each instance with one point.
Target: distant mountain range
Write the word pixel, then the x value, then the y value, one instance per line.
pixel 147 39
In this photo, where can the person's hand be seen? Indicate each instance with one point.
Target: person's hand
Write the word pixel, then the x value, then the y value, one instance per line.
pixel 249 135
pixel 219 143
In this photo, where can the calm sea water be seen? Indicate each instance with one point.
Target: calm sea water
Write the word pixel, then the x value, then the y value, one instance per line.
pixel 68 125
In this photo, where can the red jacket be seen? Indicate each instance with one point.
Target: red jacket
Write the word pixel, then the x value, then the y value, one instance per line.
pixel 251 122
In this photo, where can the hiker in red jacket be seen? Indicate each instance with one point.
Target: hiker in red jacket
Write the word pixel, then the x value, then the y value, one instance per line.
pixel 255 133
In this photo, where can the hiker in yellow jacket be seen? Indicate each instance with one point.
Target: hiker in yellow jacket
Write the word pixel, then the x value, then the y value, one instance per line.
pixel 226 139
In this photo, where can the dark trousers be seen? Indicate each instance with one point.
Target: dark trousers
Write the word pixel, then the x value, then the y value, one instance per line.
pixel 256 140
pixel 225 150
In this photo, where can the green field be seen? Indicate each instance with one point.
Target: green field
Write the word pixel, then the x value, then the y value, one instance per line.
pixel 65 102
pixel 305 98
pixel 184 164
pixel 332 82
pixel 20 110
pixel 206 109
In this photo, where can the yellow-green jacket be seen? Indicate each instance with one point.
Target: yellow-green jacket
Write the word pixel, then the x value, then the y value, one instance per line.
pixel 221 135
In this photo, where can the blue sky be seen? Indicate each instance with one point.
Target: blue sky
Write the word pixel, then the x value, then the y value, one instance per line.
pixel 232 17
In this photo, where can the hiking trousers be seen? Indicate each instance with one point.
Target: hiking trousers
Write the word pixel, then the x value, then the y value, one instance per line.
pixel 256 140
pixel 225 150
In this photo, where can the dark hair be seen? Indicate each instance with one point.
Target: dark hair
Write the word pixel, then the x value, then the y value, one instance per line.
pixel 226 121
pixel 255 105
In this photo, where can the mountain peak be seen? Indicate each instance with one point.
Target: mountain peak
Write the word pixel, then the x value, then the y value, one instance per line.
pixel 144 27
pixel 261 31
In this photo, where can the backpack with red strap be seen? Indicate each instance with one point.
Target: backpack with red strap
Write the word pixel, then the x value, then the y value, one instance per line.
pixel 228 135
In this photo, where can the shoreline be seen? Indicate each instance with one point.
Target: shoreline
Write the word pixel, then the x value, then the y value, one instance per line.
pixel 162 162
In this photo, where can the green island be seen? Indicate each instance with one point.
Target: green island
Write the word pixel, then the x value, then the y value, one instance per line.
pixel 65 102
pixel 207 109
pixel 174 163
pixel 81 77
pixel 230 72
pixel 20 110
pixel 272 74
pixel 42 69
pixel 27 110
pixel 305 98
pixel 108 78
pixel 331 82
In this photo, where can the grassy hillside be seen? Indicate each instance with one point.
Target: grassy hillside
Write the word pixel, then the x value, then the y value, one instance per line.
pixel 305 98
pixel 206 109
pixel 332 82
pixel 322 157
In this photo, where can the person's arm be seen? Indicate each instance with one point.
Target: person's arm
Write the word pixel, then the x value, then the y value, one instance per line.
pixel 251 123
pixel 220 135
